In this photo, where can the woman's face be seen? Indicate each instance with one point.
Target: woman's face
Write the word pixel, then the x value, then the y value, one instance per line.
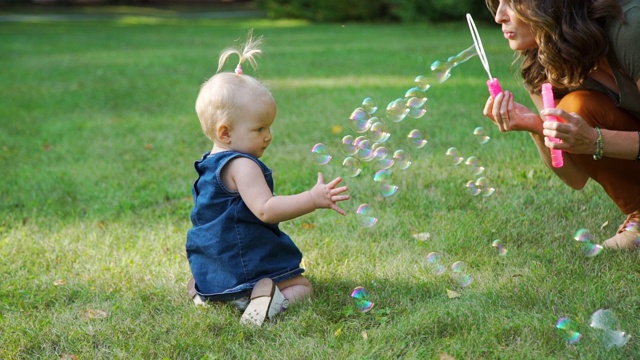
pixel 519 34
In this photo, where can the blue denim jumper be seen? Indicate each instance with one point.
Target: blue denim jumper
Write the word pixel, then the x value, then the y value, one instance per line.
pixel 229 248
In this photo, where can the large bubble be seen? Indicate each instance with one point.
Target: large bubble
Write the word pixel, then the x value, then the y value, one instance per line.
pixel 321 154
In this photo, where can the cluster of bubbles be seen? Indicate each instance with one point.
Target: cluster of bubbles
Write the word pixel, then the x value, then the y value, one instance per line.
pixel 603 322
pixel 442 69
pixel 459 269
pixel 371 145
pixel 480 185
pixel 605 328
pixel 588 242
pixel 371 142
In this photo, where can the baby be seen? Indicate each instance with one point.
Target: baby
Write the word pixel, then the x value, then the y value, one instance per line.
pixel 236 250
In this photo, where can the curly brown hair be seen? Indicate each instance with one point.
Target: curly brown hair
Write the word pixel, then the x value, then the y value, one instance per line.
pixel 571 37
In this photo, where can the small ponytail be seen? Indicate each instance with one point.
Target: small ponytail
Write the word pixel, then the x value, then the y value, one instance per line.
pixel 247 52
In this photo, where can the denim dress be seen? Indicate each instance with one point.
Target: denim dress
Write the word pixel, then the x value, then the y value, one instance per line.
pixel 228 247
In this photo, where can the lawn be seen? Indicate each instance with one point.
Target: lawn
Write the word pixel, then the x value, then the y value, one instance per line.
pixel 98 136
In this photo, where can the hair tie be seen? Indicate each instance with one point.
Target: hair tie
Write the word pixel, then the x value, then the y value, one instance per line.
pixel 239 69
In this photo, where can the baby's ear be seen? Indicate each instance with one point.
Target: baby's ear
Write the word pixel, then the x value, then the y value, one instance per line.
pixel 224 133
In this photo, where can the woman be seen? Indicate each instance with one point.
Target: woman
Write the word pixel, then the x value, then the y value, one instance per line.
pixel 589 50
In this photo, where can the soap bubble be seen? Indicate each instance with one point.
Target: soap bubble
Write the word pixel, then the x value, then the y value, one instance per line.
pixel 460 274
pixel 502 251
pixel 462 56
pixel 473 188
pixel 583 235
pixel 387 189
pixel 381 155
pixel 416 139
pixel 402 159
pixel 606 323
pixel 455 156
pixel 433 259
pixel 416 107
pixel 321 154
pixel 359 120
pixel 378 131
pixel 415 92
pixel 397 110
pixel 361 299
pixel 365 213
pixel 475 165
pixel 365 151
pixel 634 227
pixel 349 145
pixel 442 69
pixel 569 330
pixel 481 134
pixel 587 241
pixel 483 184
pixel 380 152
pixel 416 102
pixel 422 82
pixel 383 177
pixel 369 105
pixel 352 166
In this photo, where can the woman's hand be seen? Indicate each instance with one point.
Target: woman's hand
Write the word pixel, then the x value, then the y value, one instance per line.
pixel 576 136
pixel 511 116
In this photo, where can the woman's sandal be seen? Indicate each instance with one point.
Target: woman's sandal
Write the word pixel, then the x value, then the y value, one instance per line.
pixel 628 236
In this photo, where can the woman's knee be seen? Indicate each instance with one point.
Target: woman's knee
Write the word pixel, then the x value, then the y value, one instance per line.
pixel 598 109
pixel 588 104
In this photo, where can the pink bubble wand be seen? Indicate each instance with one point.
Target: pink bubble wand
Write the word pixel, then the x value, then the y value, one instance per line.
pixel 549 103
pixel 493 84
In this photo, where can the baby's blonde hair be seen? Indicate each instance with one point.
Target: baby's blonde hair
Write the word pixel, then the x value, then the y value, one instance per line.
pixel 224 97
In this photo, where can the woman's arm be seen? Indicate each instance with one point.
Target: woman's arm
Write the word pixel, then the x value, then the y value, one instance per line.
pixel 580 138
pixel 511 116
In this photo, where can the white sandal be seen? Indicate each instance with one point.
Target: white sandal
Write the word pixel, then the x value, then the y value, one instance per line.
pixel 266 302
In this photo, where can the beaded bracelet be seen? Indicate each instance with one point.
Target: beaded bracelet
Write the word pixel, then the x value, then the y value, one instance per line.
pixel 599 146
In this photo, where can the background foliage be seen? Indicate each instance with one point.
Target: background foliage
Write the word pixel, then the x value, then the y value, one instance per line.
pixel 374 10
pixel 315 10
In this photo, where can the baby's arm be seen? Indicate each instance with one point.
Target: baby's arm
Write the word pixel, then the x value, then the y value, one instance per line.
pixel 245 175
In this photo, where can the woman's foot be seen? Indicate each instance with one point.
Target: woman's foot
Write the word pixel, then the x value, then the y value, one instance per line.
pixel 628 236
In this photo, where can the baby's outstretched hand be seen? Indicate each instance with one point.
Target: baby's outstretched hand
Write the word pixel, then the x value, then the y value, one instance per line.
pixel 326 196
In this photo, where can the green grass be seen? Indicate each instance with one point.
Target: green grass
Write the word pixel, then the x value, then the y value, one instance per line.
pixel 98 135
